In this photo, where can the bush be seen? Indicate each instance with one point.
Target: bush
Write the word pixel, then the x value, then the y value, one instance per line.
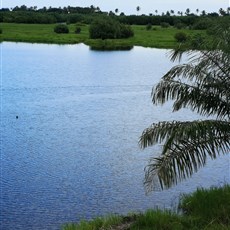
pixel 197 40
pixel 78 30
pixel 126 31
pixel 180 25
pixel 0 31
pixel 108 28
pixel 149 26
pixel 165 25
pixel 61 29
pixel 202 24
pixel 104 28
pixel 180 37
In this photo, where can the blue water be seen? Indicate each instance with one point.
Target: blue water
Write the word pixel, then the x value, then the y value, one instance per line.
pixel 73 151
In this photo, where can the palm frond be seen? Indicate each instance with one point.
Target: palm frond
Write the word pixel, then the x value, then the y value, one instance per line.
pixel 206 99
pixel 186 148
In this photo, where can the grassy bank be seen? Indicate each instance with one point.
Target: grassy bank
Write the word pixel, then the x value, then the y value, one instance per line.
pixel 43 33
pixel 204 209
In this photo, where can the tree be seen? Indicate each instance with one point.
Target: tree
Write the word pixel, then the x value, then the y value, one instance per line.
pixel 104 28
pixel 228 10
pixel 203 12
pixel 167 14
pixel 202 85
pixel 222 12
pixel 108 28
pixel 187 12
pixel 116 10
pixel 138 8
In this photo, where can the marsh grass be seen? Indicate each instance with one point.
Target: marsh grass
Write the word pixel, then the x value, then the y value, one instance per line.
pixel 157 219
pixel 43 33
pixel 98 223
pixel 211 206
pixel 207 209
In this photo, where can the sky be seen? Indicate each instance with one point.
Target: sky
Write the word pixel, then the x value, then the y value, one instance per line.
pixel 128 6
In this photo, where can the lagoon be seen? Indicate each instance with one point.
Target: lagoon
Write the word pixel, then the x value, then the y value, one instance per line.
pixel 71 119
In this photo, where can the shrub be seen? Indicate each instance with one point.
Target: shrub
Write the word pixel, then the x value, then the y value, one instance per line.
pixel 61 29
pixel 149 26
pixel 126 31
pixel 78 30
pixel 180 25
pixel 0 31
pixel 180 37
pixel 104 28
pixel 108 28
pixel 202 24
pixel 196 40
pixel 165 25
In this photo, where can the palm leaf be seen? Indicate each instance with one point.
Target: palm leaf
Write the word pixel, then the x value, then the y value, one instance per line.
pixel 205 99
pixel 186 148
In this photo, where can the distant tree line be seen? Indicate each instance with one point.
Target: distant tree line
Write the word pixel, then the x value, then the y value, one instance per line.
pixel 24 14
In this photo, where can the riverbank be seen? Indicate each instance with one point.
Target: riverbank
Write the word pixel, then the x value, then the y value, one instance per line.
pixel 203 209
pixel 157 37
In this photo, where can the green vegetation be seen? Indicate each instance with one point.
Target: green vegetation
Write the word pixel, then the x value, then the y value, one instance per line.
pixel 61 29
pixel 215 209
pixel 201 85
pixel 98 223
pixel 203 209
pixel 180 37
pixel 149 26
pixel 44 33
pixel 30 24
pixel 78 30
pixel 107 28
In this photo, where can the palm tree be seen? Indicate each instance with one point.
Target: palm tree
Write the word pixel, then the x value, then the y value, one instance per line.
pixel 228 10
pixel 116 10
pixel 222 12
pixel 203 12
pixel 187 12
pixel 202 85
pixel 138 8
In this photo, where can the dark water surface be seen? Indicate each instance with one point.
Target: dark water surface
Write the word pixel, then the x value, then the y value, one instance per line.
pixel 73 151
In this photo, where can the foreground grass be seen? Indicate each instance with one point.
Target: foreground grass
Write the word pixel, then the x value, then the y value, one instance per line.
pixel 43 33
pixel 204 209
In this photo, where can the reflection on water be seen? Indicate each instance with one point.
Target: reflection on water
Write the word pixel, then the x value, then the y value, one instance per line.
pixel 73 151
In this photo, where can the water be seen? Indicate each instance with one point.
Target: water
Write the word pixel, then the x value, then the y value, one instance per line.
pixel 73 151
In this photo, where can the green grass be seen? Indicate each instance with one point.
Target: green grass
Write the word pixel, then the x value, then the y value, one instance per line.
pixel 203 209
pixel 43 33
pixel 156 219
pixel 98 223
pixel 210 205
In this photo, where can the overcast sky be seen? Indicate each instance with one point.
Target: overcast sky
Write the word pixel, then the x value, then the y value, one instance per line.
pixel 128 6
